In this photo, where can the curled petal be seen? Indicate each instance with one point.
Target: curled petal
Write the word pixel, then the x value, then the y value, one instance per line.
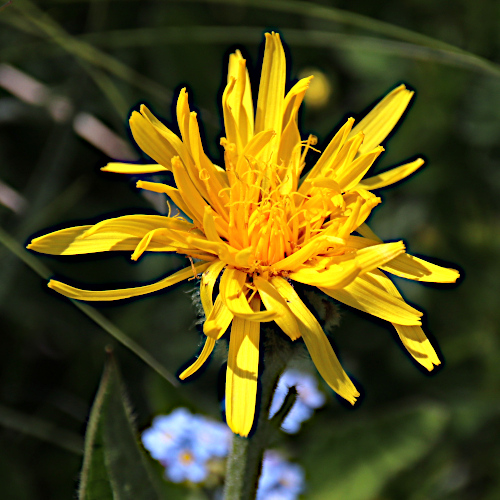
pixel 233 295
pixel 218 320
pixel 208 279
pixel 205 353
pixel 273 300
pixel 125 293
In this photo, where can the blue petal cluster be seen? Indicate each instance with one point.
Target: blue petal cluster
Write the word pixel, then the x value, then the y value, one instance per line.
pixel 308 399
pixel 184 443
pixel 279 480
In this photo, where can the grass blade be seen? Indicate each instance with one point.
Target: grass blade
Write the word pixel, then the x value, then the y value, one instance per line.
pixel 43 271
pixel 143 37
pixel 323 12
pixel 48 27
pixel 41 429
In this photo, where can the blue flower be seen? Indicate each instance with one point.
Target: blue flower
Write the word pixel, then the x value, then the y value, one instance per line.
pixel 279 480
pixel 184 443
pixel 183 465
pixel 308 399
pixel 166 433
pixel 213 437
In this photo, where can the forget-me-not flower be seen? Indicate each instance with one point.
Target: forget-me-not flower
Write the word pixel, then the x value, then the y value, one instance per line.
pixel 184 443
pixel 279 480
pixel 308 399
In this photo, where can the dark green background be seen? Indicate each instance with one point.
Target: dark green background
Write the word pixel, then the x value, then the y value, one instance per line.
pixel 413 436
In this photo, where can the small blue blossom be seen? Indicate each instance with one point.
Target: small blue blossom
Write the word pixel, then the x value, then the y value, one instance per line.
pixel 183 465
pixel 308 398
pixel 184 443
pixel 279 480
pixel 214 437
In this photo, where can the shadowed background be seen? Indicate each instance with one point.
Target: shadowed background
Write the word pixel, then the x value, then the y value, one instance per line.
pixel 70 73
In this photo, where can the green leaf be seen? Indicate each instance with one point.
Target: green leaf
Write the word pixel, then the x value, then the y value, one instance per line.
pixel 356 461
pixel 114 465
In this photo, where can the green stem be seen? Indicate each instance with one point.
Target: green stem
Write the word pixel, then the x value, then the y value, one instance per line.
pixel 245 460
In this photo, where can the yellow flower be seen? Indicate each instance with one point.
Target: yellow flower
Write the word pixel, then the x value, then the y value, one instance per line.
pixel 260 226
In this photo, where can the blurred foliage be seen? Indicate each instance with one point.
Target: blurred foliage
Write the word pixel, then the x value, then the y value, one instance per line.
pixel 414 436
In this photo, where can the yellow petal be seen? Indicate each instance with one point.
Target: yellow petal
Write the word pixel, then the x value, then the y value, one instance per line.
pixel 380 121
pixel 272 87
pixel 377 255
pixel 254 149
pixel 207 284
pixel 391 176
pixel 230 120
pixel 337 276
pixel 317 343
pixel 242 373
pixel 405 265
pixel 232 290
pixel 209 227
pixel 207 178
pixel 218 320
pixel 328 157
pixel 125 293
pixel 224 251
pixel 156 236
pixel 293 261
pixel 340 274
pixel 273 300
pixel 366 232
pixel 205 353
pixel 189 193
pixel 358 169
pixel 183 111
pixel 69 242
pixel 290 137
pixel 241 98
pixel 412 337
pixel 418 345
pixel 119 233
pixel 169 140
pixel 171 192
pixel 413 268
pixel 138 225
pixel 133 168
pixel 150 141
pixel 365 295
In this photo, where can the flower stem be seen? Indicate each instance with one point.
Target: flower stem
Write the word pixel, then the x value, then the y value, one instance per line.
pixel 244 463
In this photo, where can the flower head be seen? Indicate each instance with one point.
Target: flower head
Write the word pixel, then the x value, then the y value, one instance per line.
pixel 261 224
pixel 184 443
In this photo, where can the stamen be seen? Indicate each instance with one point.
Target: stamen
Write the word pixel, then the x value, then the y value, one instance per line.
pixel 312 140
pixel 204 175
pixel 193 268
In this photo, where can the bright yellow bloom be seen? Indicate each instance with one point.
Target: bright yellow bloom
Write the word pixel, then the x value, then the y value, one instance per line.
pixel 260 226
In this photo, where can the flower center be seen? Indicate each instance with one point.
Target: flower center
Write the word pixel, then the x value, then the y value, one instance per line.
pixel 186 457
